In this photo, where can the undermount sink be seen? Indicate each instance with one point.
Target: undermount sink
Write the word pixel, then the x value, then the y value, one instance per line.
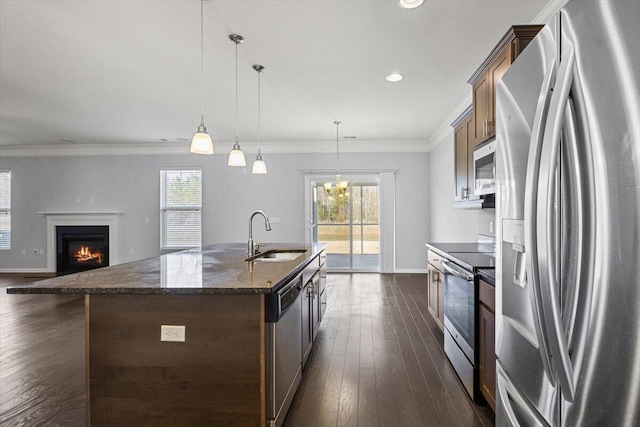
pixel 277 255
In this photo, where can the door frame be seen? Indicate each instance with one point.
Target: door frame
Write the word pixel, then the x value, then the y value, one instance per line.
pixel 386 182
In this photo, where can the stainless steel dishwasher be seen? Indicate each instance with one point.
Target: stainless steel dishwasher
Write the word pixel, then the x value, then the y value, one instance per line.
pixel 284 341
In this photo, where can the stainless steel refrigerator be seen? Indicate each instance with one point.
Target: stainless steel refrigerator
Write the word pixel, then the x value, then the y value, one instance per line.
pixel 568 215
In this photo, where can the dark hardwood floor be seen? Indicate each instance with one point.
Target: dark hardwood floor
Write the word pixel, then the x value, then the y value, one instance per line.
pixel 378 360
pixel 42 366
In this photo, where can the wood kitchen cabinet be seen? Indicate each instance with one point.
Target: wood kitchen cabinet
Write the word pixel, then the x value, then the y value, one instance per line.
pixel 307 337
pixel 487 76
pixel 435 289
pixel 463 156
pixel 314 300
pixel 487 328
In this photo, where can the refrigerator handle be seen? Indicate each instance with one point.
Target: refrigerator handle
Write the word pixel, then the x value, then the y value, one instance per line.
pixel 571 286
pixel 546 209
pixel 509 396
pixel 530 217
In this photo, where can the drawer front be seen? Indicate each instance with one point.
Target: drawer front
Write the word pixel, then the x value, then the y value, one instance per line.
pixel 310 270
pixel 323 258
pixel 488 295
pixel 435 260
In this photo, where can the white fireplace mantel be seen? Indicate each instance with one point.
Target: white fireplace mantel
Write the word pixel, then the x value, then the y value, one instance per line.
pixel 71 218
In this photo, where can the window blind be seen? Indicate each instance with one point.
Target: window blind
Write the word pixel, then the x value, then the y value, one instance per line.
pixel 5 209
pixel 181 208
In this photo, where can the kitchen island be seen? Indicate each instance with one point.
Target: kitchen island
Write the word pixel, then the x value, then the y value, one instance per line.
pixel 219 374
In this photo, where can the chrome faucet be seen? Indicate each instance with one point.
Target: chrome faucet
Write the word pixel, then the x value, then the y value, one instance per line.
pixel 250 246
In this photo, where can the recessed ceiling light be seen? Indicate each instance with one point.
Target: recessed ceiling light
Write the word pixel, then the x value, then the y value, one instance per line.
pixel 181 139
pixel 395 77
pixel 410 4
pixel 164 139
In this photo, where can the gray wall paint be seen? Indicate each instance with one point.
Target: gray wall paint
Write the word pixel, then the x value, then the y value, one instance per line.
pixel 131 184
pixel 448 224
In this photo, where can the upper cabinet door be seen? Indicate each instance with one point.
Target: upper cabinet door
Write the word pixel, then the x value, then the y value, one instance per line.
pixel 460 163
pixel 463 156
pixel 496 71
pixel 469 123
pixel 482 104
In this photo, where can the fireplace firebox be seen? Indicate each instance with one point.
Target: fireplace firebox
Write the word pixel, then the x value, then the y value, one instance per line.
pixel 81 248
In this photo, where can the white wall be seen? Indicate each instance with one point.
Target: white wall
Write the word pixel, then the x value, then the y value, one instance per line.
pixel 448 224
pixel 131 184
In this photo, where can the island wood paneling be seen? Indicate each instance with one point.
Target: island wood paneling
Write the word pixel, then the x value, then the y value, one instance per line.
pixel 216 377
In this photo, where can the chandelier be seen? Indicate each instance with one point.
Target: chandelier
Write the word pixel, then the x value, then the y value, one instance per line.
pixel 338 188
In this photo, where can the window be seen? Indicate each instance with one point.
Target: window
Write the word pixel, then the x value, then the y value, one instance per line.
pixel 5 209
pixel 181 208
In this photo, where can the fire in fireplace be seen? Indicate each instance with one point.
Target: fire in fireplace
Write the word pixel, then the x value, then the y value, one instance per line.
pixel 81 248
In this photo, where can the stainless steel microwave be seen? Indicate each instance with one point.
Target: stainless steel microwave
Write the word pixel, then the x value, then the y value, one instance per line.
pixel 484 165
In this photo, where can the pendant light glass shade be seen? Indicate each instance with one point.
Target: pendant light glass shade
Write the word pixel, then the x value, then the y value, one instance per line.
pixel 236 156
pixel 259 166
pixel 201 142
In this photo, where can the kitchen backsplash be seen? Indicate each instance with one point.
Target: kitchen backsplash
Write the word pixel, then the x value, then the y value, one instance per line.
pixel 487 222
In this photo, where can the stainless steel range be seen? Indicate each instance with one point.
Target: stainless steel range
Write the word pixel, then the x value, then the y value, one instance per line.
pixel 460 307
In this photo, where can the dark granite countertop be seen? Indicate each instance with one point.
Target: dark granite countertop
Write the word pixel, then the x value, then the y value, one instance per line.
pixel 461 247
pixel 472 256
pixel 215 269
pixel 472 260
pixel 488 274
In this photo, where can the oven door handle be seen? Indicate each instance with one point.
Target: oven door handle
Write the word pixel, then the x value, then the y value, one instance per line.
pixel 456 272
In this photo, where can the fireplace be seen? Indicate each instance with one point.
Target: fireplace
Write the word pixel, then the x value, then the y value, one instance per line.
pixel 81 248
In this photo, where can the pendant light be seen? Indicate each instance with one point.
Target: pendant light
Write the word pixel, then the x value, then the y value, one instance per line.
pixel 236 156
pixel 338 188
pixel 259 166
pixel 201 142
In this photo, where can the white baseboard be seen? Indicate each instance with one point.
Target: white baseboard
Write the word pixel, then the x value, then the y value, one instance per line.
pixel 25 270
pixel 411 270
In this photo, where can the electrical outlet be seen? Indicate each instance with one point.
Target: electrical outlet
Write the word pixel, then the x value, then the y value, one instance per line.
pixel 172 333
pixel 24 252
pixel 132 251
pixel 41 251
pixel 491 227
pixel 146 220
pixel 77 199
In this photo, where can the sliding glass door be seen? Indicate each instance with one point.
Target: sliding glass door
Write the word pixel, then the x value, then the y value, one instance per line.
pixel 349 225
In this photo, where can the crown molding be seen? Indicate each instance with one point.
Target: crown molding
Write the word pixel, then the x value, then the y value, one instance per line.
pixel 549 11
pixel 221 148
pixel 445 128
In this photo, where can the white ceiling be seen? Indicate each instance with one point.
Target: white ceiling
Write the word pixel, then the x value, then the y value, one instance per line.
pixel 114 72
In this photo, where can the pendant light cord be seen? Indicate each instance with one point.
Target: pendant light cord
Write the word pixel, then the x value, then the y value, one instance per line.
pixel 337 151
pixel 236 92
pixel 202 62
pixel 259 112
